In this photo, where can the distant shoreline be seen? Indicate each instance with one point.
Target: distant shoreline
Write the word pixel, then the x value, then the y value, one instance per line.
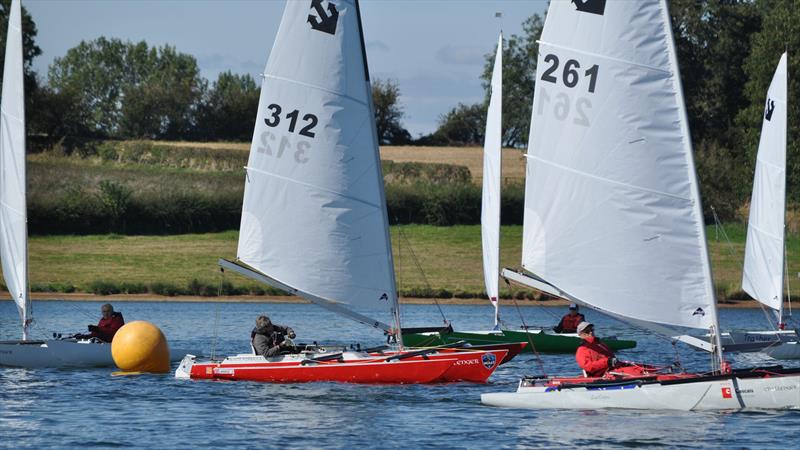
pixel 80 296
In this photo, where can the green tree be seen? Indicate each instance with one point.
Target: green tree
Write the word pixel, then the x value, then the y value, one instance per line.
pixel 519 71
pixel 462 125
pixel 29 48
pixel 130 90
pixel 780 31
pixel 228 109
pixel 713 41
pixel 389 112
pixel 163 101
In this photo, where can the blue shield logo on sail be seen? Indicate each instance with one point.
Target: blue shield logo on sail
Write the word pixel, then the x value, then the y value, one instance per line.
pixel 488 360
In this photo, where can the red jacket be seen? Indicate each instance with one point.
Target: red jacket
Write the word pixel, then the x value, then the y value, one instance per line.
pixel 593 356
pixel 107 328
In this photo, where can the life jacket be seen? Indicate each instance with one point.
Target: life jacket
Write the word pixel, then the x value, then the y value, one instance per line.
pixel 569 323
pixel 593 357
pixel 107 328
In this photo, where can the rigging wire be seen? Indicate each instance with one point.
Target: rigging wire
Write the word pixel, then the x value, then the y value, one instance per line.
pixel 525 327
pixel 216 315
pixel 718 226
pixel 422 273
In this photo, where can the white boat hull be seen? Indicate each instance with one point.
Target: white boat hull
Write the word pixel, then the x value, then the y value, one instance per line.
pixel 785 350
pixel 63 353
pixel 779 392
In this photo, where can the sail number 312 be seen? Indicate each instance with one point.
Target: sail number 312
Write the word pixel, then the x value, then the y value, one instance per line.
pixel 569 75
pixel 273 119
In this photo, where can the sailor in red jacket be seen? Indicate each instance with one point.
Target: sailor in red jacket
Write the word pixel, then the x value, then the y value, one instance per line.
pixel 593 356
pixel 108 325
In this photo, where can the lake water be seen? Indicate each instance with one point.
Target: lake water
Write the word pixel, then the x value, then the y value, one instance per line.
pixel 90 408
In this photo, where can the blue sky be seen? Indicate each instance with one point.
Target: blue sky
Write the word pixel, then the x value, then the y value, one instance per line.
pixel 434 48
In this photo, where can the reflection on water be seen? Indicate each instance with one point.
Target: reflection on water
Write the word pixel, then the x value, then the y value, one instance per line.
pixel 89 408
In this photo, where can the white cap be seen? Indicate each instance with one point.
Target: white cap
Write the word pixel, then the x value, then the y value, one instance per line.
pixel 573 306
pixel 584 325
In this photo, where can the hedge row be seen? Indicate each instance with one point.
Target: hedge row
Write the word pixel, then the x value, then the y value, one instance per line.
pixel 75 196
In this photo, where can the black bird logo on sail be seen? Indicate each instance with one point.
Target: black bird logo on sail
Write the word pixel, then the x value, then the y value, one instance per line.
pixel 699 312
pixel 591 6
pixel 384 297
pixel 770 108
pixel 324 21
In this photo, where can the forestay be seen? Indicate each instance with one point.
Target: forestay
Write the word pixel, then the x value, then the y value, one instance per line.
pixel 612 207
pixel 13 215
pixel 492 165
pixel 314 215
pixel 762 276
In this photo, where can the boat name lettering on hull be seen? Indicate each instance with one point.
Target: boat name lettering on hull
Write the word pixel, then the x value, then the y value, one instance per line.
pixel 466 362
pixel 780 388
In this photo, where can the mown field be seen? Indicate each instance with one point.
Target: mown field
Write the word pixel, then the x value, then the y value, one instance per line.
pixel 469 157
pixel 430 261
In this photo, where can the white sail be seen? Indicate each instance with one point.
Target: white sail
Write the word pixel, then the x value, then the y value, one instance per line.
pixel 492 165
pixel 612 206
pixel 13 215
pixel 314 214
pixel 762 276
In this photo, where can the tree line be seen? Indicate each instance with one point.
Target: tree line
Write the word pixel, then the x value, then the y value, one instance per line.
pixel 727 51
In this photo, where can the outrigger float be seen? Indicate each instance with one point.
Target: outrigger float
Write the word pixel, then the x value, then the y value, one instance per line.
pixel 613 216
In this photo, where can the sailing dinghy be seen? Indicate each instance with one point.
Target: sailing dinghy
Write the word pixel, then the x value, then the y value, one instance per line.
pixel 314 220
pixel 542 340
pixel 13 226
pixel 612 209
pixel 763 273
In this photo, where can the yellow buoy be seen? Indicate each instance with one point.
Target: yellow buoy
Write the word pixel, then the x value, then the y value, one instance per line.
pixel 140 347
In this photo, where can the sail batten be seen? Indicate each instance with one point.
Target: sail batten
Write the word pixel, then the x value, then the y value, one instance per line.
pixel 313 214
pixel 612 207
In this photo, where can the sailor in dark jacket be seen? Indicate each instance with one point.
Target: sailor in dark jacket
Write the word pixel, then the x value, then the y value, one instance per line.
pixel 268 338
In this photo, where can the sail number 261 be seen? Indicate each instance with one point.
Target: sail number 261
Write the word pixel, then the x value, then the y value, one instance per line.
pixel 570 75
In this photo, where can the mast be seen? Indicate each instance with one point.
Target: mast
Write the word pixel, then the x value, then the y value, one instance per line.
pixel 394 296
pixel 612 206
pixel 697 204
pixel 314 217
pixel 492 173
pixel 763 275
pixel 13 209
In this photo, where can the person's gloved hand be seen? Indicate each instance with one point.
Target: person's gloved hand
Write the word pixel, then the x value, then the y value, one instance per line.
pixel 612 362
pixel 92 327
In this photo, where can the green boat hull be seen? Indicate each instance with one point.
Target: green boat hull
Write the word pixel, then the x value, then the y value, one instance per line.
pixel 543 342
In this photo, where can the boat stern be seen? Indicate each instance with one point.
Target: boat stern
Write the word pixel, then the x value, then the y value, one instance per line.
pixel 184 370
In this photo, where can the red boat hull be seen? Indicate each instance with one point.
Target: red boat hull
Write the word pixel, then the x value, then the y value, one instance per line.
pixel 368 371
pixel 469 365
pixel 440 367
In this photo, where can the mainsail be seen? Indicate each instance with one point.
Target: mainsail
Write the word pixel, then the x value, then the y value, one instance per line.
pixel 13 214
pixel 314 214
pixel 762 276
pixel 492 161
pixel 612 206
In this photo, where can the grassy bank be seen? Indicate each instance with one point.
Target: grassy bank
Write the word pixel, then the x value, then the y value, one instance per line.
pixel 443 262
pixel 138 187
